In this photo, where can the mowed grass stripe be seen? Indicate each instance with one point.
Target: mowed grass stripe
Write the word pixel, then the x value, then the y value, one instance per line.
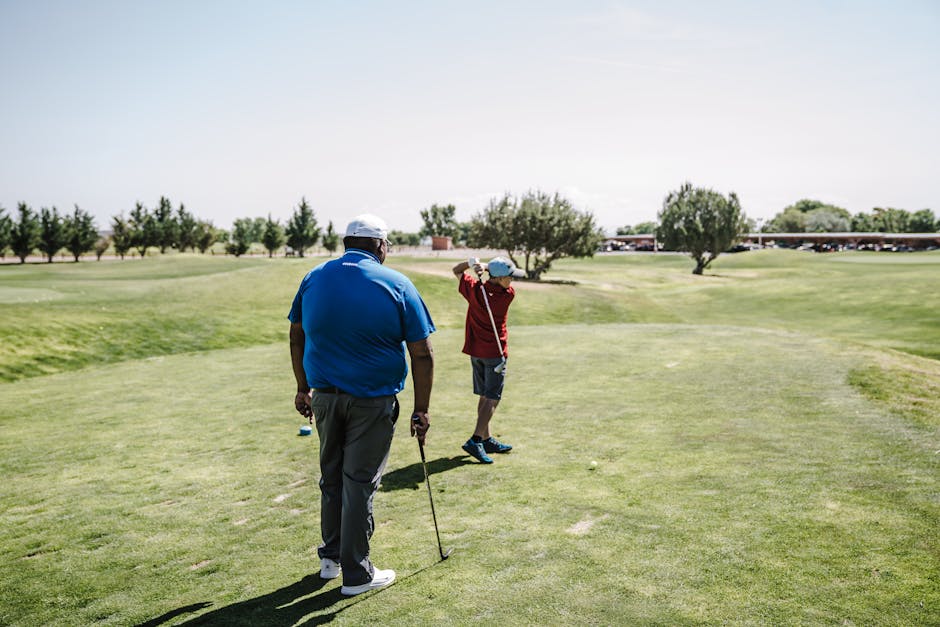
pixel 739 478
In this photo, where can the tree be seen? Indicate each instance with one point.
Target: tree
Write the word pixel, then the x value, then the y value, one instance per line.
pixel 922 221
pixel 643 228
pixel 101 246
pixel 890 220
pixel 6 227
pixel 827 221
pixel 539 227
pixel 80 232
pixel 701 222
pixel 863 223
pixel 400 238
pixel 143 229
pixel 258 226
pixel 302 231
pixel 122 235
pixel 812 216
pixel 330 239
pixel 240 238
pixel 185 229
pixel 791 220
pixel 205 236
pixel 439 221
pixel 166 229
pixel 273 236
pixel 24 234
pixel 52 236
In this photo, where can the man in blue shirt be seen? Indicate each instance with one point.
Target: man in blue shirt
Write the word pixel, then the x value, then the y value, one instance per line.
pixel 350 323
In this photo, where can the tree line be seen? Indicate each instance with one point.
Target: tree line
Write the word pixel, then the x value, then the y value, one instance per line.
pixel 162 227
pixel 814 216
pixel 535 229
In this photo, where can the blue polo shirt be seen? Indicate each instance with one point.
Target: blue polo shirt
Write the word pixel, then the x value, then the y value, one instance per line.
pixel 356 315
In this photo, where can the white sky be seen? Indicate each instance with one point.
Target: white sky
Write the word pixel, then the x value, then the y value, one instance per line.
pixel 237 109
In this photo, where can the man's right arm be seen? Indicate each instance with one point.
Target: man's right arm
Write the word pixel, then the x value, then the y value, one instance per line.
pixel 422 376
pixel 302 398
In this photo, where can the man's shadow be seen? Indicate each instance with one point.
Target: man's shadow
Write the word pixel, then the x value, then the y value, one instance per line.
pixel 411 477
pixel 282 607
pixel 292 603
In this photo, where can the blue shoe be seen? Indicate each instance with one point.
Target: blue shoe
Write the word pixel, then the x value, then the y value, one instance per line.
pixel 475 449
pixel 492 445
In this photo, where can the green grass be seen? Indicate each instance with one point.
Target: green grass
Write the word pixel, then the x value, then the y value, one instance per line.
pixel 759 461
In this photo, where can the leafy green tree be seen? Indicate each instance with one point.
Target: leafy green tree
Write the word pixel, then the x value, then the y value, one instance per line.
pixel 52 236
pixel 166 229
pixel 185 229
pixel 258 226
pixel 143 229
pixel 439 221
pixel 240 237
pixel 791 220
pixel 6 227
pixel 80 232
pixel 700 222
pixel 122 235
pixel 24 233
pixel 330 239
pixel 273 236
pixel 400 238
pixel 864 223
pixel 923 221
pixel 463 234
pixel 302 232
pixel 890 220
pixel 539 227
pixel 826 221
pixel 205 236
pixel 643 228
pixel 811 216
pixel 101 246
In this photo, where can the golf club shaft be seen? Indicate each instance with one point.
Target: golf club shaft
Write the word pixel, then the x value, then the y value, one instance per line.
pixel 424 464
pixel 486 301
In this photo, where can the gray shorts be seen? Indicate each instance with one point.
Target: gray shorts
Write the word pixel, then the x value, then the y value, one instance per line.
pixel 487 382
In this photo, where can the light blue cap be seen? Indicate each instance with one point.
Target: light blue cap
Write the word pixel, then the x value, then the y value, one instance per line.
pixel 500 266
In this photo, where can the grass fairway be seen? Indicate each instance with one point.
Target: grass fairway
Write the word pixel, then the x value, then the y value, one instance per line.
pixel 761 459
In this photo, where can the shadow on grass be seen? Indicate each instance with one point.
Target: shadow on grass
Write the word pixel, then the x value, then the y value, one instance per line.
pixel 411 477
pixel 291 605
pixel 286 606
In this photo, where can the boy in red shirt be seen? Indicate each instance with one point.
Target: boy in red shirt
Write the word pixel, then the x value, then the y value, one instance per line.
pixel 487 355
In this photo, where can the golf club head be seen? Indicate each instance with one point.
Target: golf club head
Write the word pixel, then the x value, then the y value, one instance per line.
pixel 501 368
pixel 444 556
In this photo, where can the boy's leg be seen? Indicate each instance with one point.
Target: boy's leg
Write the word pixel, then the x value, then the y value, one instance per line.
pixel 485 409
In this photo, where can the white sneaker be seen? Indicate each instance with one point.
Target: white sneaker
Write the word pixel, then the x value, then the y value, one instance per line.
pixel 380 579
pixel 329 569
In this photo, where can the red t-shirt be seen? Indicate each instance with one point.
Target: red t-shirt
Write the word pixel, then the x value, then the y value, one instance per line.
pixel 478 330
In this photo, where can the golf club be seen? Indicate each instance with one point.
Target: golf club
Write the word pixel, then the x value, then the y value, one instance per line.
pixel 501 368
pixel 424 464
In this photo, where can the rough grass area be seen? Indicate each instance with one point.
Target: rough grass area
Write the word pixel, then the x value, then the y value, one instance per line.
pixel 766 450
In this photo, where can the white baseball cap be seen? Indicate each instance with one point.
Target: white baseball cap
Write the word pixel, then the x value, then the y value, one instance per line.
pixel 367 225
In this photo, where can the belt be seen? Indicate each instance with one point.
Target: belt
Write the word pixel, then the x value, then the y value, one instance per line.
pixel 330 390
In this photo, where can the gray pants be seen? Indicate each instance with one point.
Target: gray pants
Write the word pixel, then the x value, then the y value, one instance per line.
pixel 355 439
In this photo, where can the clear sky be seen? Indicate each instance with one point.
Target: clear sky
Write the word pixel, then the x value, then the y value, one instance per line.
pixel 238 109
